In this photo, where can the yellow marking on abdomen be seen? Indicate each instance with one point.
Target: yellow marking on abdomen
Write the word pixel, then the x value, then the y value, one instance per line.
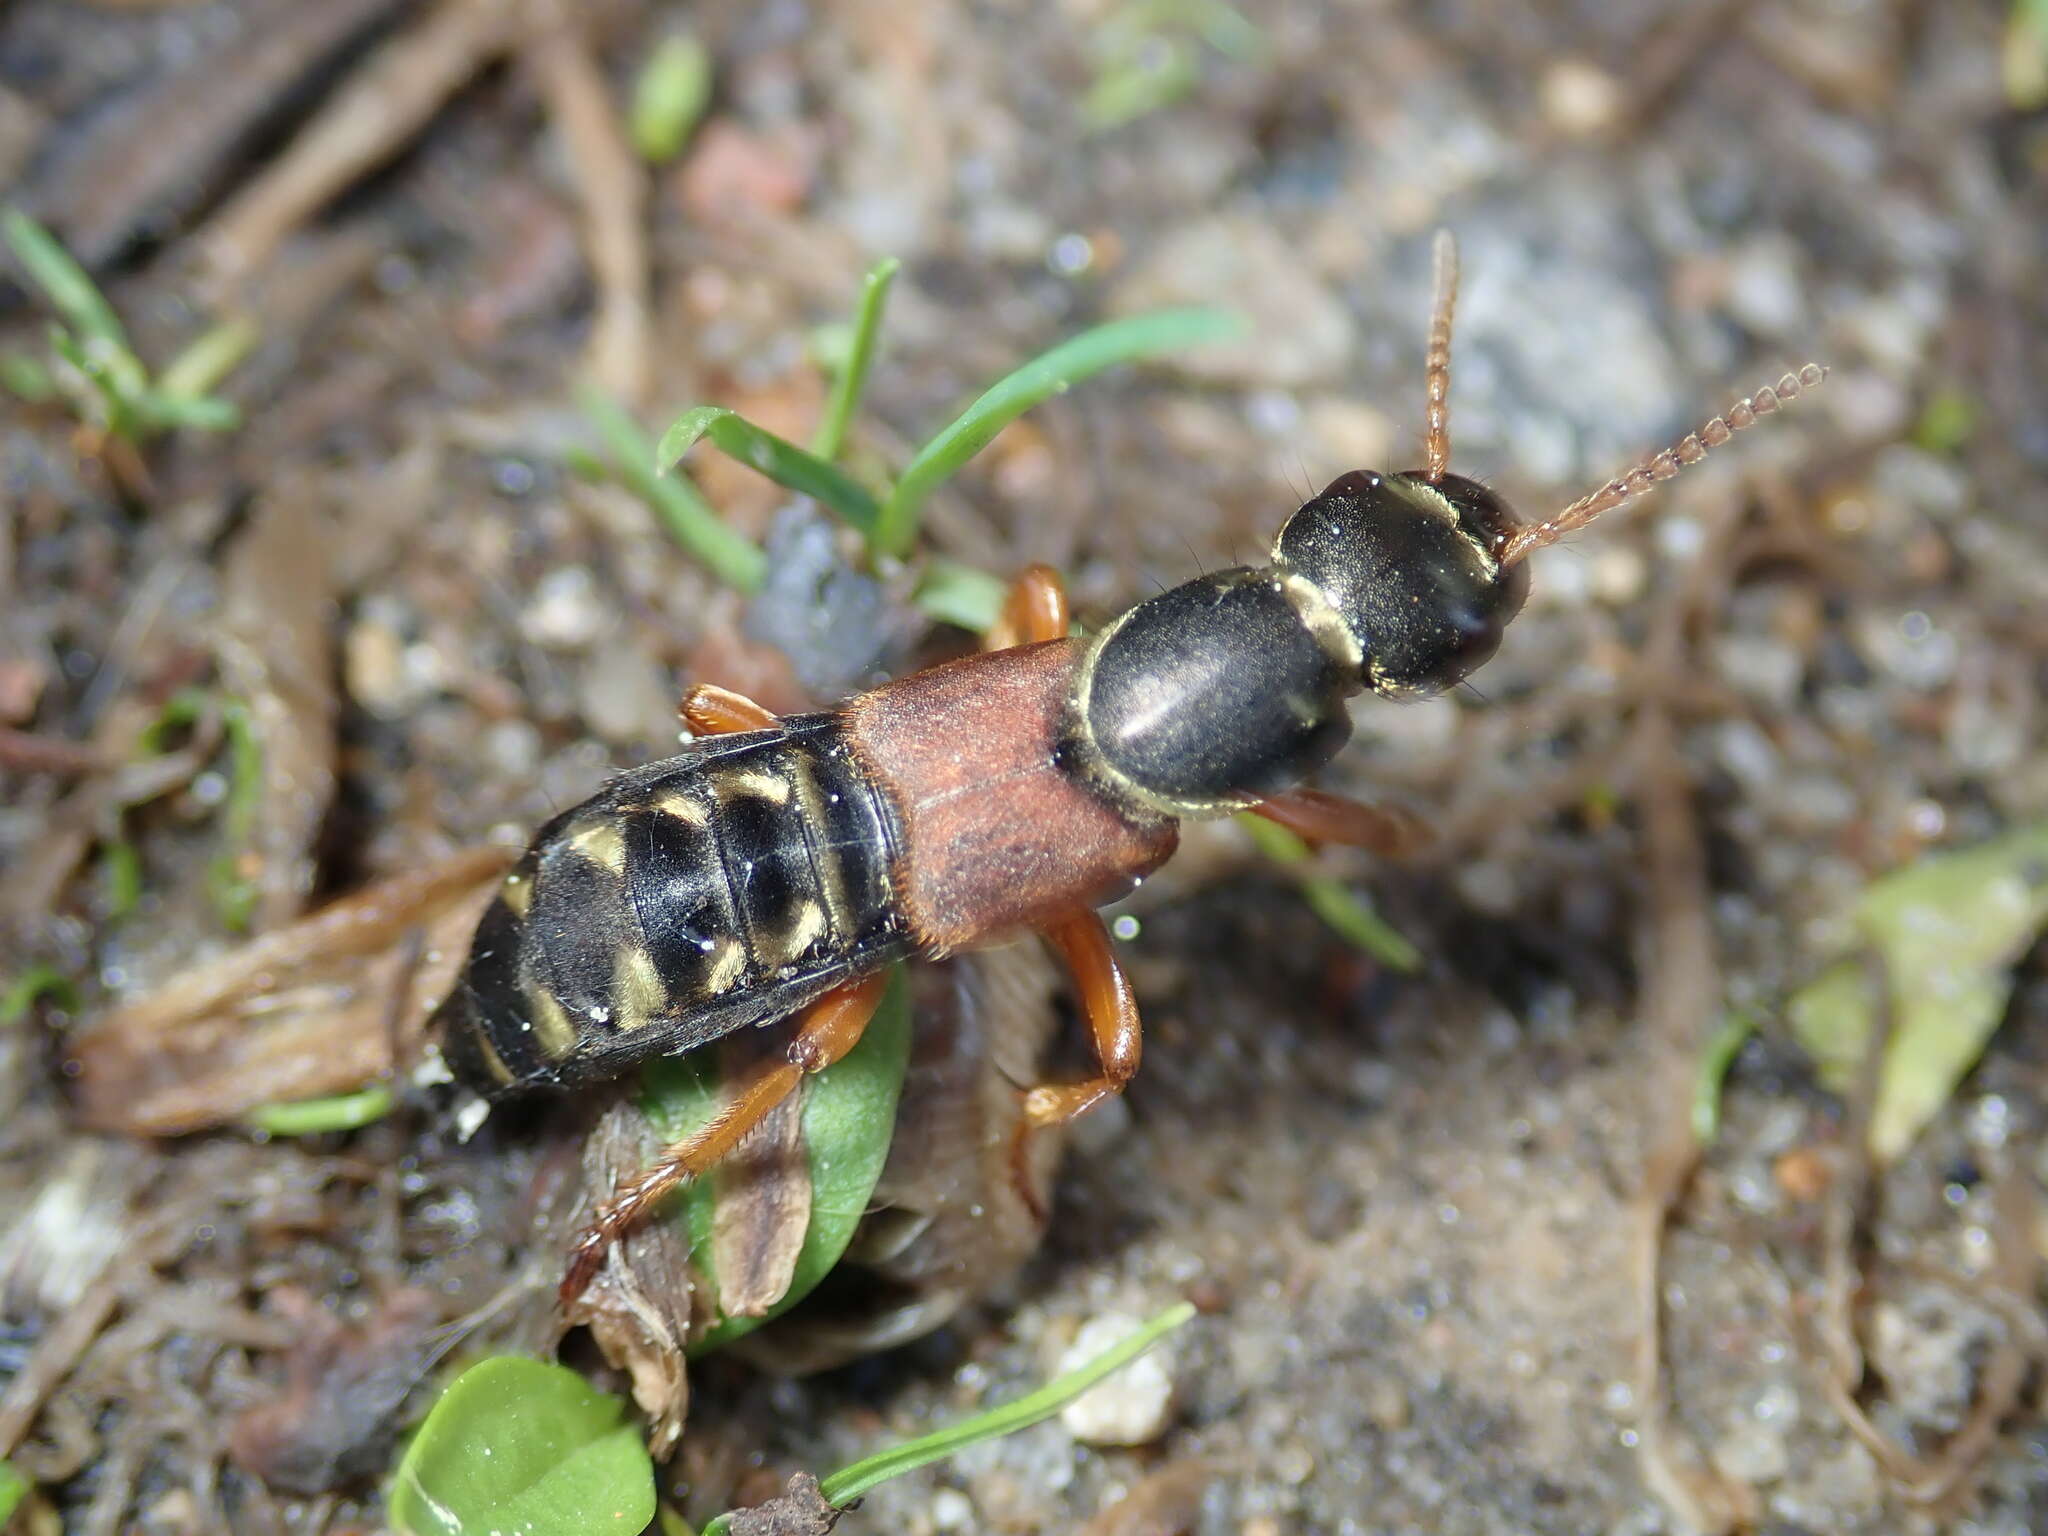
pixel 517 894
pixel 681 806
pixel 753 781
pixel 637 990
pixel 602 843
pixel 727 962
pixel 550 1022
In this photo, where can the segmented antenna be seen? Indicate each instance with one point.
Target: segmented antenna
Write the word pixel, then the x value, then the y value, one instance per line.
pixel 1662 467
pixel 1437 372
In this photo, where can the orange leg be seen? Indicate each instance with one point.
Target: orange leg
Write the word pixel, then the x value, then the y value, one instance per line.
pixel 1035 610
pixel 709 710
pixel 1111 1011
pixel 825 1031
pixel 1319 818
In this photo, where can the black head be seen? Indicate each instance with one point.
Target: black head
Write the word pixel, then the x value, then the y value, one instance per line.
pixel 1412 570
pixel 1413 577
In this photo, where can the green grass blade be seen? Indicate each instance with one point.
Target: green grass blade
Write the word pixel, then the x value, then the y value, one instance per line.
pixel 846 389
pixel 1716 1058
pixel 689 518
pixel 849 1483
pixel 777 458
pixel 311 1117
pixel 1333 901
pixel 214 354
pixel 74 294
pixel 1120 341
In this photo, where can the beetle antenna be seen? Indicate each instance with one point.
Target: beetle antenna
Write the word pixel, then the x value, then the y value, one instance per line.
pixel 1437 372
pixel 1662 466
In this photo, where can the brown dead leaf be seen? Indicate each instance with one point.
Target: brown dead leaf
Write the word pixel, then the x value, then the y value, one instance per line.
pixel 319 1007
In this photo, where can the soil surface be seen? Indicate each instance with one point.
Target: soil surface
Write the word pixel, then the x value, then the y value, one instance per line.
pixel 1429 1214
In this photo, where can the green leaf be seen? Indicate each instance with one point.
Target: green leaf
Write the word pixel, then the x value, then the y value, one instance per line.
pixel 120 878
pixel 960 594
pixel 670 98
pixel 517 1445
pixel 849 1119
pixel 13 1489
pixel 64 282
pixel 198 370
pixel 850 1482
pixel 38 981
pixel 1343 912
pixel 234 893
pixel 777 458
pixel 311 1117
pixel 1089 353
pixel 1949 930
pixel 1715 1060
pixel 689 518
pixel 853 370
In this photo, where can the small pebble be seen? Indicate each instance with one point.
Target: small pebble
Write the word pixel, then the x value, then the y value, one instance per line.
pixel 1134 1406
pixel 952 1510
pixel 1580 98
pixel 373 665
pixel 566 612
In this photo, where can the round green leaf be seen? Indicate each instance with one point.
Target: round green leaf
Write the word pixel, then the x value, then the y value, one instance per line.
pixel 516 1447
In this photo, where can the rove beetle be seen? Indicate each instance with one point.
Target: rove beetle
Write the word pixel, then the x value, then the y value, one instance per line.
pixel 775 867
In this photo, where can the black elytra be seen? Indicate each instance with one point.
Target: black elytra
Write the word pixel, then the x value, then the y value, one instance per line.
pixel 1231 687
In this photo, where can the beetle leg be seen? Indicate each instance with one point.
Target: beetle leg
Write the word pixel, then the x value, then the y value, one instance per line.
pixel 826 1030
pixel 709 710
pixel 1035 610
pixel 1319 818
pixel 1111 1011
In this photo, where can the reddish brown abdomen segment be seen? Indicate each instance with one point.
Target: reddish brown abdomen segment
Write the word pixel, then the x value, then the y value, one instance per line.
pixel 996 834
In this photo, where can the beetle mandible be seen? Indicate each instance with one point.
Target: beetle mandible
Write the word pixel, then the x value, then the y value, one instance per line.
pixel 775 868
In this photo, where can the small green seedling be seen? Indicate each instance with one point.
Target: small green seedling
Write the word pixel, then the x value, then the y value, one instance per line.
pixel 886 518
pixel 518 1445
pixel 1948 931
pixel 95 369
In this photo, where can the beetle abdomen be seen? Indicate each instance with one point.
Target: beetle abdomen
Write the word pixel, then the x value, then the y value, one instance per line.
pixel 723 887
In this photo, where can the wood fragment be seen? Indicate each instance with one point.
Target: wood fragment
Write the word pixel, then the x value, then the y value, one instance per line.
pixel 151 160
pixel 296 1014
pixel 611 184
pixel 275 647
pixel 376 113
pixel 763 1204
pixel 1681 1000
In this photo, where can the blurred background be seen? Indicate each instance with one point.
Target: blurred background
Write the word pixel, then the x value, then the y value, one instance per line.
pixel 344 467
